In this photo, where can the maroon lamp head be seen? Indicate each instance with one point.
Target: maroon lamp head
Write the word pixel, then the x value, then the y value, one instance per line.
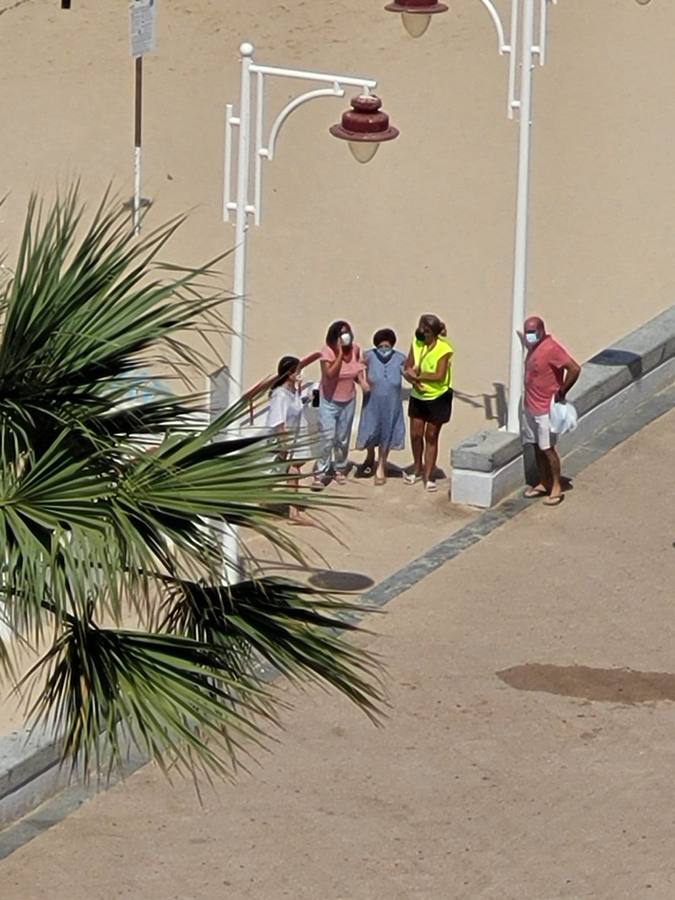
pixel 365 126
pixel 416 14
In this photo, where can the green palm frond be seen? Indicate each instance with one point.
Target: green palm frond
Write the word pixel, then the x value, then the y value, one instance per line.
pixel 78 316
pixel 113 495
pixel 294 628
pixel 174 698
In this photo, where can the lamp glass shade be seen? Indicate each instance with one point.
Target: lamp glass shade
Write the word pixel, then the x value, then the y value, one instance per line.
pixel 363 151
pixel 415 23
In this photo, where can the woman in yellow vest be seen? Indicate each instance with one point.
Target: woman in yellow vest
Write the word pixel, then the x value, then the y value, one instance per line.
pixel 429 370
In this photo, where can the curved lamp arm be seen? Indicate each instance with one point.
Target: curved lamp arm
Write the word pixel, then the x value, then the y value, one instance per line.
pixel 265 148
pixel 268 151
pixel 502 46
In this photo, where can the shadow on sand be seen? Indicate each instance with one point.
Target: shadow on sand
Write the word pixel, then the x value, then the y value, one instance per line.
pixel 584 682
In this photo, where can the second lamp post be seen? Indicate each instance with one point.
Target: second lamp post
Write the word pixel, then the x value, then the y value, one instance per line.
pixel 530 15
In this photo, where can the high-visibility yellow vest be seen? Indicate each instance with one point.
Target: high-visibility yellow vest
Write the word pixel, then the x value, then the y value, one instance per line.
pixel 426 359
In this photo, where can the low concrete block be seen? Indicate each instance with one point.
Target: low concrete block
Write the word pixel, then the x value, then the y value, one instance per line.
pixel 29 772
pixel 486 450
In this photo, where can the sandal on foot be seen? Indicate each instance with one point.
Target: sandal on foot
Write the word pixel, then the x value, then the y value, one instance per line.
pixel 554 501
pixel 531 493
pixel 317 485
pixel 340 478
pixel 431 486
pixel 364 472
pixel 380 480
pixel 411 478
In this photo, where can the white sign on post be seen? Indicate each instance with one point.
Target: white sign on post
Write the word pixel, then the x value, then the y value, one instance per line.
pixel 143 19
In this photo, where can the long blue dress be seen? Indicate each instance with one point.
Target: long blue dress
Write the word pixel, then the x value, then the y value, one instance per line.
pixel 382 421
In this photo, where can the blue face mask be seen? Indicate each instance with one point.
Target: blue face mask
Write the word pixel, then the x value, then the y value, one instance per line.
pixel 385 353
pixel 531 337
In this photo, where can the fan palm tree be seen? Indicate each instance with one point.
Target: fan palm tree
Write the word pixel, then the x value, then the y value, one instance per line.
pixel 110 557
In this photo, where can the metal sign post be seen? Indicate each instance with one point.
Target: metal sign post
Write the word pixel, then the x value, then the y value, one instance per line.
pixel 142 22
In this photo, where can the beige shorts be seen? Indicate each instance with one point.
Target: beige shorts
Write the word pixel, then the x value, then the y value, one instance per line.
pixel 537 430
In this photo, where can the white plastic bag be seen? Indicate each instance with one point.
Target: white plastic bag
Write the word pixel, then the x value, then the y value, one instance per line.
pixel 563 417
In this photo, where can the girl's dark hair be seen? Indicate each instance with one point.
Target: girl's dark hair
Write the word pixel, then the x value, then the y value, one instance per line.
pixel 434 323
pixel 384 334
pixel 334 332
pixel 285 366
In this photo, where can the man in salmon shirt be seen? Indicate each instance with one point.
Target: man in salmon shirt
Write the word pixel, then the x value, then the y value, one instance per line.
pixel 549 372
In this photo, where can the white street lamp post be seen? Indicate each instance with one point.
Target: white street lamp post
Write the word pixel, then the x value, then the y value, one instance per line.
pixel 416 15
pixel 521 243
pixel 365 127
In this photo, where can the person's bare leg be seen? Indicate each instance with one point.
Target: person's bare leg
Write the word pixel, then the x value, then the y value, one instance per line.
pixel 417 443
pixel 295 515
pixel 553 463
pixel 369 461
pixel 545 477
pixel 381 471
pixel 431 433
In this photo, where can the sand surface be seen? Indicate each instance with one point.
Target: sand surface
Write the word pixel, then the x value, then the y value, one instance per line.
pixel 528 752
pixel 428 226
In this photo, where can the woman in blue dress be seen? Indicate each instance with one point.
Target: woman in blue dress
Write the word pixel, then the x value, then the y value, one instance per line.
pixel 382 424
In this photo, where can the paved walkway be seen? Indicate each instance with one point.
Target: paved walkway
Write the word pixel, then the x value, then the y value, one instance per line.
pixel 528 755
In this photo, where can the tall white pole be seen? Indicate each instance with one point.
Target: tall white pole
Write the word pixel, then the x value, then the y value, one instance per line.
pixel 241 228
pixel 522 218
pixel 137 191
pixel 230 538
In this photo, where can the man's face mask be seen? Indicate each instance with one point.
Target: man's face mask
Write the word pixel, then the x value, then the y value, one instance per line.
pixel 531 338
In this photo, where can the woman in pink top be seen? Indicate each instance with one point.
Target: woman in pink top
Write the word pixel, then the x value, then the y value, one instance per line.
pixel 341 368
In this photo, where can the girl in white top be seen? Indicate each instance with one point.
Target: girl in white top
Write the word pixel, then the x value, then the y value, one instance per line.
pixel 286 416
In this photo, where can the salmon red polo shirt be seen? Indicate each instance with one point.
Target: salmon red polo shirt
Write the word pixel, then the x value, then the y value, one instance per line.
pixel 343 388
pixel 544 374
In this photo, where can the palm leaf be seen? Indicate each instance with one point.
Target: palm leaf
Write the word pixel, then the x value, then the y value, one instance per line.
pixel 170 696
pixel 291 626
pixel 110 509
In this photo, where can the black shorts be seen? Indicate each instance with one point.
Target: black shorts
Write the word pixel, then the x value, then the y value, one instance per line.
pixel 437 410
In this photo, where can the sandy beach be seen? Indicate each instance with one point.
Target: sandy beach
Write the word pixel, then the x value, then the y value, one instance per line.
pixel 428 225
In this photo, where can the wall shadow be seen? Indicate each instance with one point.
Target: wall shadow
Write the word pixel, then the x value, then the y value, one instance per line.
pixel 495 404
pixel 610 357
pixel 586 683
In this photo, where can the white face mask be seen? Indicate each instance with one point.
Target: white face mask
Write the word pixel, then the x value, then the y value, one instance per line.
pixel 346 339
pixel 531 337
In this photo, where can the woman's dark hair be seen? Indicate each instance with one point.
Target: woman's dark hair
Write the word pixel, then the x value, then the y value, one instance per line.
pixel 334 332
pixel 285 366
pixel 384 334
pixel 433 323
